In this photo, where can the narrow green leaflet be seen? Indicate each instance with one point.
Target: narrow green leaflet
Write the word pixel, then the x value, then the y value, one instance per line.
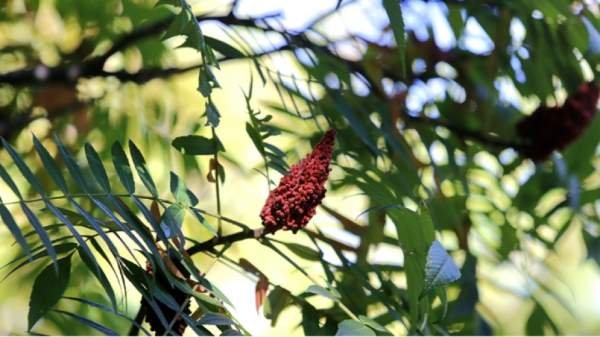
pixel 72 165
pixel 33 220
pixel 440 269
pixel 48 288
pixel 50 165
pixel 107 309
pixel 10 182
pixel 353 328
pixel 23 168
pixel 100 275
pixel 90 323
pixel 394 13
pixel 302 251
pixel 318 290
pixel 211 318
pixel 14 229
pixel 181 193
pixel 97 168
pixel 142 169
pixel 172 221
pixel 121 164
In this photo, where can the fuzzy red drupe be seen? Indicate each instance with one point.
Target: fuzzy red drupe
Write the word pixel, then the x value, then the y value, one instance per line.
pixel 293 203
pixel 553 128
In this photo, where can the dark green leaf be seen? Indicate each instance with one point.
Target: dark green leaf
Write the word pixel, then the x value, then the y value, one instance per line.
pixel 48 288
pixel 14 229
pixel 142 169
pixel 181 193
pixel 226 49
pixel 394 13
pixel 277 300
pixel 88 322
pixel 72 166
pixel 121 164
pixel 197 145
pixel 33 220
pixel 50 165
pixel 97 167
pixel 10 182
pixel 23 168
pixel 302 251
pixel 100 275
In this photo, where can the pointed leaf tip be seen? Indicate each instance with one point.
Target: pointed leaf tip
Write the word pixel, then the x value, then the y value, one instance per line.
pixel 440 269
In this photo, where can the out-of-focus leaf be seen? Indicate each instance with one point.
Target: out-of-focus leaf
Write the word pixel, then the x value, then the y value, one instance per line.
pixel 224 48
pixel 48 288
pixel 181 193
pixel 277 300
pixel 211 318
pixel 89 323
pixel 538 320
pixel 318 290
pixel 353 328
pixel 194 145
pixel 260 292
pixel 172 220
pixel 302 251
pixel 394 13
pixel 14 229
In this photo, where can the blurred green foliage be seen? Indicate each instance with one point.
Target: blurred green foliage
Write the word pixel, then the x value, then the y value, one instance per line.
pixel 160 127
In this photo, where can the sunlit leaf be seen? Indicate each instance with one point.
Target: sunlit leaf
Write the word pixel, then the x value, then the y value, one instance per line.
pixel 439 268
pixel 353 328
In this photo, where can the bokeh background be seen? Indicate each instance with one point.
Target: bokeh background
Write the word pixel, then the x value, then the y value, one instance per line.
pixel 563 279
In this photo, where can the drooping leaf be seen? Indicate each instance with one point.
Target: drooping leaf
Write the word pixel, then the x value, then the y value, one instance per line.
pixel 440 269
pixel 109 310
pixel 353 328
pixel 10 182
pixel 211 318
pixel 50 165
pixel 48 288
pixel 88 322
pixel 39 253
pixel 318 290
pixel 394 13
pixel 194 145
pixel 121 164
pixel 97 167
pixel 100 276
pixel 142 169
pixel 172 220
pixel 260 291
pixel 72 166
pixel 33 220
pixel 181 193
pixel 14 229
pixel 277 300
pixel 302 251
